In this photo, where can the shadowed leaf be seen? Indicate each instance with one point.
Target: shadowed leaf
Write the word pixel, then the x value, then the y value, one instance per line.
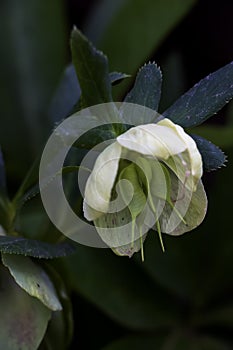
pixel 33 248
pixel 116 77
pixel 147 87
pixel 91 67
pixel 204 99
pixel 212 156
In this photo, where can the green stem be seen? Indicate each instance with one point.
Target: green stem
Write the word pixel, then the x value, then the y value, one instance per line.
pixel 177 212
pixel 157 222
pixel 141 244
pixel 133 228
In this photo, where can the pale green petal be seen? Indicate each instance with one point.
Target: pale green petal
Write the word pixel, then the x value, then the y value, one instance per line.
pixel 138 200
pixel 100 183
pixel 115 229
pixel 191 206
pixel 153 140
pixel 129 249
pixel 181 166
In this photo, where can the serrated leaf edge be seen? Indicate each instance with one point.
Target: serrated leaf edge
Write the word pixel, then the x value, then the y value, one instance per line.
pixel 225 157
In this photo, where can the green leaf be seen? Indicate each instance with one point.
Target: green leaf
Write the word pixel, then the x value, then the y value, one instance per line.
pixel 116 77
pixel 33 279
pixel 212 156
pixel 147 87
pixel 66 95
pixel 23 319
pixel 95 136
pixel 91 67
pixel 30 179
pixel 129 296
pixel 33 248
pixel 5 212
pixel 204 99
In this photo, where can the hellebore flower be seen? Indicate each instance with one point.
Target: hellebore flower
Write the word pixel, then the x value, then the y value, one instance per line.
pixel 149 178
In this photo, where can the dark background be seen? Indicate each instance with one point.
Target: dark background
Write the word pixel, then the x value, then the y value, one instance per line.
pixel 112 296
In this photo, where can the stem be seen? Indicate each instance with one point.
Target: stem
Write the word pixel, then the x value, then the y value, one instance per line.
pixel 177 213
pixel 133 227
pixel 141 244
pixel 157 222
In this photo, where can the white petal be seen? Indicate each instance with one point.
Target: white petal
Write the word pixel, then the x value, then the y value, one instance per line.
pixel 89 213
pixel 194 154
pixel 156 140
pixel 100 183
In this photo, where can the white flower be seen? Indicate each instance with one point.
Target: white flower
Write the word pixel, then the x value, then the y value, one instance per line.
pixel 181 165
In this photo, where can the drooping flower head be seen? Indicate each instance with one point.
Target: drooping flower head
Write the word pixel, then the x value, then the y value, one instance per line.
pixel 149 178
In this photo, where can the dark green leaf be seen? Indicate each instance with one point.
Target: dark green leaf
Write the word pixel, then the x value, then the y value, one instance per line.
pixel 129 296
pixel 116 77
pixel 204 99
pixel 66 96
pixel 23 319
pixel 95 136
pixel 91 67
pixel 30 179
pixel 5 212
pixel 212 156
pixel 33 248
pixel 147 87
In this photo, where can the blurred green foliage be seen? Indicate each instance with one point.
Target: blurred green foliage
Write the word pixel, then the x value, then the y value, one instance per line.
pixel 178 300
pixel 32 59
